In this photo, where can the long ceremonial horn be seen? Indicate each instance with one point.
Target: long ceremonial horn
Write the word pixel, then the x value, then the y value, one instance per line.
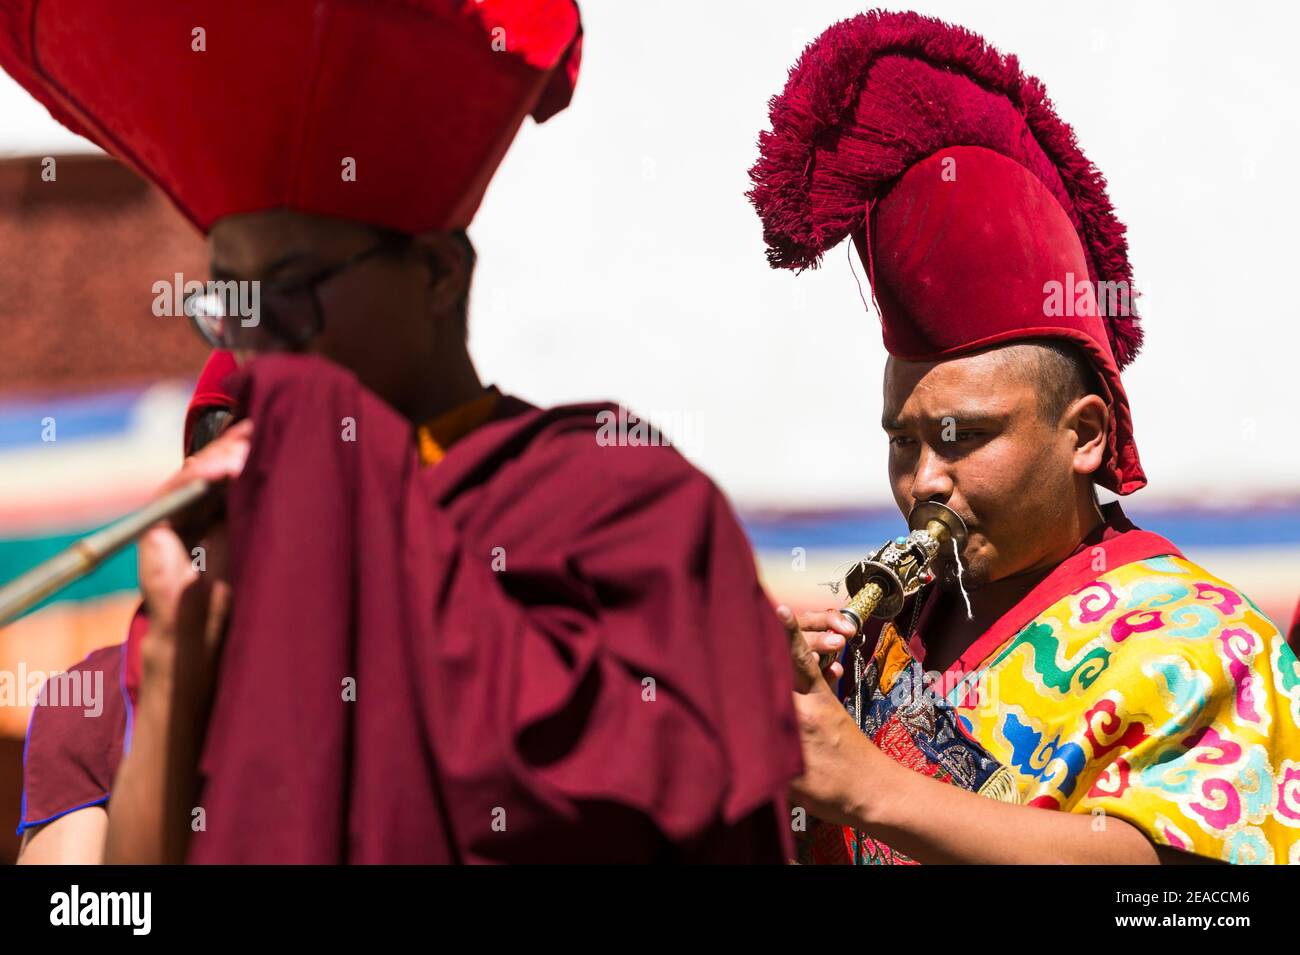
pixel 51 576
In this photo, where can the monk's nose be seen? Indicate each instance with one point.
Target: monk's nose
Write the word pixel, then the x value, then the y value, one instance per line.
pixel 932 480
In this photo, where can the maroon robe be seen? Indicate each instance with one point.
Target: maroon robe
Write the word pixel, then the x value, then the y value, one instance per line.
pixel 618 690
pixel 71 755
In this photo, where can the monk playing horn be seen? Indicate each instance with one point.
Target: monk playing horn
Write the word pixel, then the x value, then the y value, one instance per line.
pixel 1065 660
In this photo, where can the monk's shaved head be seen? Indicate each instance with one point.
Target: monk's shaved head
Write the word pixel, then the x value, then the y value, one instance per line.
pixel 1056 370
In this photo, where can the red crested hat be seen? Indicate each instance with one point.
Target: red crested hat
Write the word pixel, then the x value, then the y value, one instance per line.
pixel 211 391
pixel 390 112
pixel 977 217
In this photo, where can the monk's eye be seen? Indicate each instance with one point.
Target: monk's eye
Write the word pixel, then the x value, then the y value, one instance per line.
pixel 901 441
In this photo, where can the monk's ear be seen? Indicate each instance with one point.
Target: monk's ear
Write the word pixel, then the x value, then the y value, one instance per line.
pixel 449 268
pixel 1088 419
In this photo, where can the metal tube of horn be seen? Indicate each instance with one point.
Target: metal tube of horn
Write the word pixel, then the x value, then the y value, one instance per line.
pixel 51 576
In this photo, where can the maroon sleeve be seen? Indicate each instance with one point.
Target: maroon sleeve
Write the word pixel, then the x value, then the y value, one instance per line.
pixel 74 739
pixel 542 650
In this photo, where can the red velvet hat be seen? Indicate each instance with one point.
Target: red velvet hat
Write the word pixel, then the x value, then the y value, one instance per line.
pixel 420 97
pixel 977 217
pixel 211 391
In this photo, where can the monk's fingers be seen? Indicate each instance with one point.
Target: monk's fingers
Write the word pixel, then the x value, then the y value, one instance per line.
pixel 236 439
pixel 831 620
pixel 165 570
pixel 221 460
pixel 823 641
pixel 791 625
pixel 807 667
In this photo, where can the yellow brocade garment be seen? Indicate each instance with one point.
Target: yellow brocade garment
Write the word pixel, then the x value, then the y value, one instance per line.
pixel 1157 694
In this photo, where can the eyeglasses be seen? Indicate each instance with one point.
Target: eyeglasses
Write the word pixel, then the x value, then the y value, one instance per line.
pixel 243 315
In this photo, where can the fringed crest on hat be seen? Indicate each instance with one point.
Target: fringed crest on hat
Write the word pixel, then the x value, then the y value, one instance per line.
pixel 875 94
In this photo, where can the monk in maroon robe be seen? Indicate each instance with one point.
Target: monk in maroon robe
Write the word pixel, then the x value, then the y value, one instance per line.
pixel 431 623
pixel 521 654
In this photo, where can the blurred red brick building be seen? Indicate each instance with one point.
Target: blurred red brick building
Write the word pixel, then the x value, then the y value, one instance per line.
pixel 79 254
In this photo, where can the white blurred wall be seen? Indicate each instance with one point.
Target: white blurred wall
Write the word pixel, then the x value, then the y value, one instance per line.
pixel 619 258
